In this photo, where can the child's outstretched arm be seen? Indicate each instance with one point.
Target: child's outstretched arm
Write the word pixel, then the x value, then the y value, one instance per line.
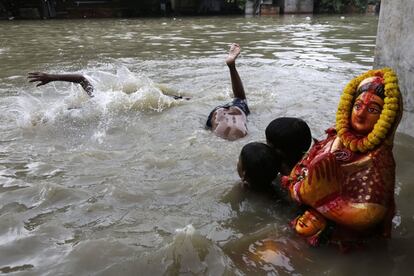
pixel 237 85
pixel 45 78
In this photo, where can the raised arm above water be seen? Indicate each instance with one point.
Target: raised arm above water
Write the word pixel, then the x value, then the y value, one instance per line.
pixel 45 78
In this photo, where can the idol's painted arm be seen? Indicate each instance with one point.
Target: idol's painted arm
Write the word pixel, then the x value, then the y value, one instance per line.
pixel 332 192
pixel 357 216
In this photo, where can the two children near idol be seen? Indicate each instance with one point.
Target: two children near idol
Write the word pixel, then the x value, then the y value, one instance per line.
pixel 287 140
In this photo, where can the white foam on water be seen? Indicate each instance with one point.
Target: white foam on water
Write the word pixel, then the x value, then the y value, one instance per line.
pixel 187 230
pixel 189 252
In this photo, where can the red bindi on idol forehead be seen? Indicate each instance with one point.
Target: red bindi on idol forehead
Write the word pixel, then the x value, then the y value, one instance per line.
pixel 367 97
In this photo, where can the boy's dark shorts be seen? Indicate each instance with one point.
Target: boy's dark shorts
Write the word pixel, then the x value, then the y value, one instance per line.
pixel 242 104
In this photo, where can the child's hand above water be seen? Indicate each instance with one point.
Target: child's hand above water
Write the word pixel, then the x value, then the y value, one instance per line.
pixel 42 78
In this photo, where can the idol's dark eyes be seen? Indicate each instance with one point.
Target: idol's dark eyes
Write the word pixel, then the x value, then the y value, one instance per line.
pixel 374 110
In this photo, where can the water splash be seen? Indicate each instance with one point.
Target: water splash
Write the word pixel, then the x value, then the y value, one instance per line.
pixel 114 93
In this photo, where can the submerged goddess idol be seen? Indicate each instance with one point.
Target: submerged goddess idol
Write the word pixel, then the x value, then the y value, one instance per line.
pixel 347 180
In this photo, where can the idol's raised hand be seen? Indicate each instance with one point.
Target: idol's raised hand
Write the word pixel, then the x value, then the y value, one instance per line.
pixel 323 180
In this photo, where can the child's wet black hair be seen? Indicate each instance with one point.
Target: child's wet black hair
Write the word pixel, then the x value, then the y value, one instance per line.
pixel 260 165
pixel 291 136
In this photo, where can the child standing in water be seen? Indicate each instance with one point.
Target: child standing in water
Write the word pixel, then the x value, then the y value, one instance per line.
pixel 229 120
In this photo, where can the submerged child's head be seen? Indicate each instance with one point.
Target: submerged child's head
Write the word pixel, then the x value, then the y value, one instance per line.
pixel 292 137
pixel 258 165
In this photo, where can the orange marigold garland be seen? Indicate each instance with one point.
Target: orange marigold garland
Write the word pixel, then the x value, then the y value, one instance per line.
pixel 384 123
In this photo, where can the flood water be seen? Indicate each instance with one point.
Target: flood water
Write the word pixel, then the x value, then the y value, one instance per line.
pixel 130 183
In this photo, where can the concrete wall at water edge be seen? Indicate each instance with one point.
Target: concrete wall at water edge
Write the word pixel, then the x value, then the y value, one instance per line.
pixel 298 6
pixel 395 49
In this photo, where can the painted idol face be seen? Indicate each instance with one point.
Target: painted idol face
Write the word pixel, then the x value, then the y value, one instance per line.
pixel 366 112
pixel 309 224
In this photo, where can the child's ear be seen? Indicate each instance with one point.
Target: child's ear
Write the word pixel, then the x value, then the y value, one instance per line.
pixel 243 176
pixel 240 171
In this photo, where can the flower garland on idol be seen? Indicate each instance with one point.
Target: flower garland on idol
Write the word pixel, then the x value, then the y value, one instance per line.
pixel 388 114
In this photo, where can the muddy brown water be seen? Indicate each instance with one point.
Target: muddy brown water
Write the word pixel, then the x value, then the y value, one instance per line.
pixel 130 182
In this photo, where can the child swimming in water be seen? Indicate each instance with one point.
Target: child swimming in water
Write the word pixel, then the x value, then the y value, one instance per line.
pixel 229 120
pixel 45 78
